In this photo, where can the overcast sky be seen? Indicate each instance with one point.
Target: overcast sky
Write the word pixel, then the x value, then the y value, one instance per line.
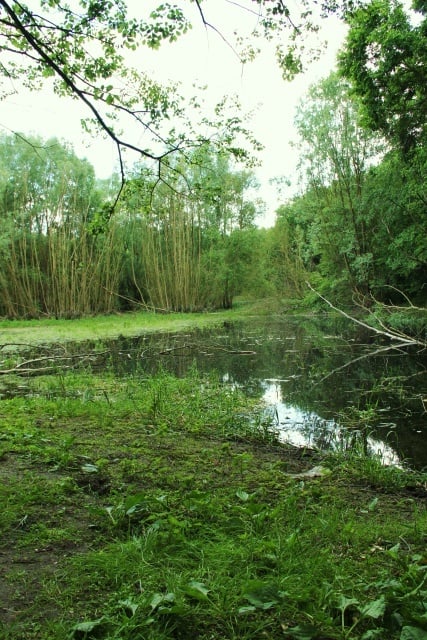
pixel 199 56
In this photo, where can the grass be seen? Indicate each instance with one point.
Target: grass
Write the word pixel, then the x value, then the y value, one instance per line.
pixel 32 332
pixel 16 333
pixel 157 508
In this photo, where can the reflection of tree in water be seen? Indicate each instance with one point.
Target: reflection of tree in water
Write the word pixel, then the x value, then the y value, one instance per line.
pixel 317 362
pixel 386 386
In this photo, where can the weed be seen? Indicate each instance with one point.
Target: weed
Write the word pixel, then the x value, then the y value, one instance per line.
pixel 159 508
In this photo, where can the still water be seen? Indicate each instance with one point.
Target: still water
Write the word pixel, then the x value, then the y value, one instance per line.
pixel 321 379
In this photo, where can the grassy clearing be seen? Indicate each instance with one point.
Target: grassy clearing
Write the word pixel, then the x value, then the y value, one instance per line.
pixel 16 333
pixel 157 508
pixel 13 333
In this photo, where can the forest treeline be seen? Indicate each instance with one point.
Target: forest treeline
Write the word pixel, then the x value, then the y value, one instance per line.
pixel 185 237
pixel 188 243
pixel 357 228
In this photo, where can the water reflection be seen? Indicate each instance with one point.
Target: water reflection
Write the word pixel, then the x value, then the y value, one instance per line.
pixel 307 429
pixel 312 371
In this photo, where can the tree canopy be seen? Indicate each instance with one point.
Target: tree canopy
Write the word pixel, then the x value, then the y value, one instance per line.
pixel 358 225
pixel 82 47
pixel 385 58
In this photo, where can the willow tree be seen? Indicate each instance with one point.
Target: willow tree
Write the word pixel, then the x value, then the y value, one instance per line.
pixel 336 153
pixel 185 241
pixel 50 260
pixel 228 207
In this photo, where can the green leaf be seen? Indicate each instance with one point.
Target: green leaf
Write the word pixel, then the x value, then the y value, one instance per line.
pixel 413 633
pixel 374 634
pixel 255 508
pixel 261 604
pixel 176 609
pixel 374 609
pixel 303 632
pixel 129 606
pixel 344 603
pixel 158 599
pixel 180 524
pixel 133 503
pixel 247 609
pixel 81 630
pixel 89 468
pixel 263 596
pixel 373 504
pixel 242 495
pixel 394 551
pixel 196 590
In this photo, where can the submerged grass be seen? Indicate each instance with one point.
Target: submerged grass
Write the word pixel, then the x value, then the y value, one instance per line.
pixel 158 507
pixel 16 333
pixel 33 332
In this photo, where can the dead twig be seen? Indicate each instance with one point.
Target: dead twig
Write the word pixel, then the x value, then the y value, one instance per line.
pixel 385 331
pixel 25 368
pixel 362 357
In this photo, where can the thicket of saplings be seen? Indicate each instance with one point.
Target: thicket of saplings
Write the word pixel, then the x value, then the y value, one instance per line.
pixel 355 235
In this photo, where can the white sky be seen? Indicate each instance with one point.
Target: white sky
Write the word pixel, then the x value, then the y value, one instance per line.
pixel 201 57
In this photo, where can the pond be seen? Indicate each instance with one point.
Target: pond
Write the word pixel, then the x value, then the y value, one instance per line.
pixel 322 378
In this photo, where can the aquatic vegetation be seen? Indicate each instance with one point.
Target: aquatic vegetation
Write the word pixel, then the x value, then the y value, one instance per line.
pixel 151 506
pixel 145 500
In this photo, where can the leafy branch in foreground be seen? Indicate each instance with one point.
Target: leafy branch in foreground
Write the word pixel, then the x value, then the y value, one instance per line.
pixel 84 55
pixel 84 47
pixel 385 60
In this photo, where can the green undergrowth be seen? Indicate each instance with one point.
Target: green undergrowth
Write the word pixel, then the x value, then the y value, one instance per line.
pixel 156 507
pixel 15 334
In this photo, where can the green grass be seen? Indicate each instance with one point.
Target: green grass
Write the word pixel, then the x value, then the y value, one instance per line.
pixel 157 508
pixel 16 333
pixel 31 332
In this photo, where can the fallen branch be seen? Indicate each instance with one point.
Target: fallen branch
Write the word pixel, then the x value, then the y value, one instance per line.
pixel 399 307
pixel 404 339
pixel 239 352
pixel 26 369
pixel 362 357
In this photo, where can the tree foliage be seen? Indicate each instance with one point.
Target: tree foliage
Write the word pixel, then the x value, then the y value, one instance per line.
pixel 395 197
pixel 43 182
pixel 83 48
pixel 385 58
pixel 184 236
pixel 189 247
pixel 335 154
pixel 360 223
pixel 51 262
